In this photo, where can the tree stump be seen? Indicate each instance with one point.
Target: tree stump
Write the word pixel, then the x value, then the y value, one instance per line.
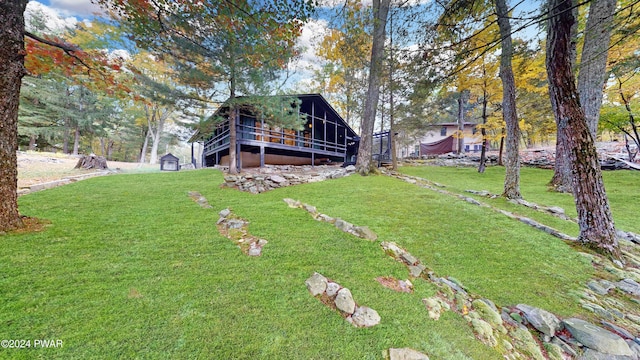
pixel 92 162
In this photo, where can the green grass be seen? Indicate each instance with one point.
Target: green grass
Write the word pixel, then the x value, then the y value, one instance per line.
pixel 621 187
pixel 131 267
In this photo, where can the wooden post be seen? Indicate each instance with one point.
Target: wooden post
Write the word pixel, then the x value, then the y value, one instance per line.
pixel 313 128
pixel 261 156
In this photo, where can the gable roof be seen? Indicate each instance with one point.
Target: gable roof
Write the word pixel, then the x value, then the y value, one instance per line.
pixel 310 103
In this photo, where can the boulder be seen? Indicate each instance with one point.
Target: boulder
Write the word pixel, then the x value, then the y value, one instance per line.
pixel 597 338
pixel 344 301
pixel 542 320
pixel 332 289
pixel 365 317
pixel 316 284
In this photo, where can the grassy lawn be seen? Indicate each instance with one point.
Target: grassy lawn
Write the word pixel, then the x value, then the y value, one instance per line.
pixel 131 267
pixel 622 189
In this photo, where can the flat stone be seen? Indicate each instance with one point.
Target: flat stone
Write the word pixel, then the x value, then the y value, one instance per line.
pixel 542 320
pixel 235 223
pixel 629 286
pixel 452 285
pixel 277 179
pixel 597 338
pixel 350 168
pixel 344 301
pixel 564 346
pixel 409 259
pixel 392 248
pixel 316 284
pixel 343 225
pixel 365 317
pixel 415 271
pixel 406 354
pixel 326 218
pixel 292 203
pixel 591 354
pixel 597 288
pixel 224 213
pixel 365 233
pixel 635 347
pixel 624 333
pixel 556 210
pixel 310 209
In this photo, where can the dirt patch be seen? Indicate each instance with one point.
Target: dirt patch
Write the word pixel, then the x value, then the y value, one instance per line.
pixel 41 167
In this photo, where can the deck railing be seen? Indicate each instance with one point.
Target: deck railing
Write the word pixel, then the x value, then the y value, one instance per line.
pixel 284 137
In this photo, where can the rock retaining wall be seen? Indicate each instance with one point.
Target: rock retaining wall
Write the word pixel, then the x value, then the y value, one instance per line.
pixel 273 177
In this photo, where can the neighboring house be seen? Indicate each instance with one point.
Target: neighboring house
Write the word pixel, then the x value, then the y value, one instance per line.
pixel 443 138
pixel 325 138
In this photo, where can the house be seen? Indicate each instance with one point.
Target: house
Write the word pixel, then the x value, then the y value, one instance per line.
pixel 444 138
pixel 324 138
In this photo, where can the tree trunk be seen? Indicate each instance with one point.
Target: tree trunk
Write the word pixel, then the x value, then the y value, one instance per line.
pixel 110 144
pixel 512 154
pixel 380 11
pixel 145 145
pixel 65 137
pixel 501 151
pixel 562 180
pixel 12 55
pixel 483 131
pixel 597 229
pixel 76 140
pixel 593 63
pixel 460 139
pixel 32 142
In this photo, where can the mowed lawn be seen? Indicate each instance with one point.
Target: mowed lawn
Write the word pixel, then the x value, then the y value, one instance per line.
pixel 131 267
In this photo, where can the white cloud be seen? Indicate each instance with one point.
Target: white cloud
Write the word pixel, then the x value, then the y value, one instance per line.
pixel 81 8
pixel 53 20
pixel 312 33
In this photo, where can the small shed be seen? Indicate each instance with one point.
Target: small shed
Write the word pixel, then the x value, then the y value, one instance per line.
pixel 169 162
